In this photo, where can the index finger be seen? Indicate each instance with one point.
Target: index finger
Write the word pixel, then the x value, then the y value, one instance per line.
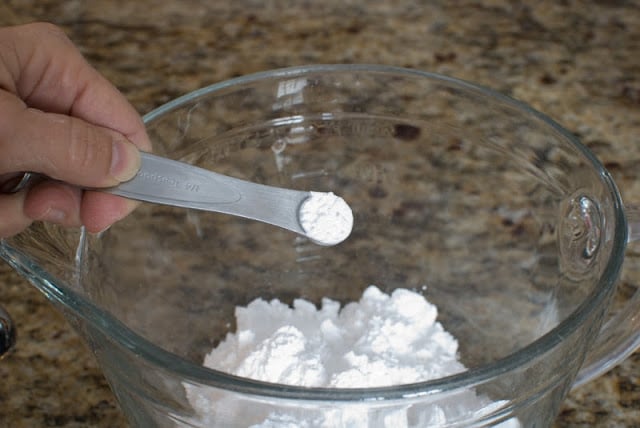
pixel 42 67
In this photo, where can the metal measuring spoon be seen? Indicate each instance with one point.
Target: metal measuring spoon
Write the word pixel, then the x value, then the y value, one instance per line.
pixel 322 217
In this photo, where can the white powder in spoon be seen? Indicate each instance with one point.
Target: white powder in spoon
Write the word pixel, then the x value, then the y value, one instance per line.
pixel 382 340
pixel 326 218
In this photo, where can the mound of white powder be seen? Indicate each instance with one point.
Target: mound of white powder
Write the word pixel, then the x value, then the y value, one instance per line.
pixel 381 340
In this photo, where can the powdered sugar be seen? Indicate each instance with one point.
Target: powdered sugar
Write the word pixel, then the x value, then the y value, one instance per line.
pixel 382 340
pixel 326 218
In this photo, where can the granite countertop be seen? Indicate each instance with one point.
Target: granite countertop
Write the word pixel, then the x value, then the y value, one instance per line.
pixel 577 61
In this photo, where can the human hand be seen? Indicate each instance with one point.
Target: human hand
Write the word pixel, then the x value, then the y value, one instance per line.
pixel 61 118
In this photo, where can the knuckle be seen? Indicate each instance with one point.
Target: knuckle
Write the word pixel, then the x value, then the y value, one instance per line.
pixel 86 149
pixel 14 221
pixel 8 136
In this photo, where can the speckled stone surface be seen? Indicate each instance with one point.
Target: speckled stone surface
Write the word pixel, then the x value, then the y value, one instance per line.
pixel 577 61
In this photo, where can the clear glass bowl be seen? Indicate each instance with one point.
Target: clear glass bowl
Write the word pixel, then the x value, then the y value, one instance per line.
pixel 514 227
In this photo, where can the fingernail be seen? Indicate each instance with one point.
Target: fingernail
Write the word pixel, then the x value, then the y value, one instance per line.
pixel 54 215
pixel 125 160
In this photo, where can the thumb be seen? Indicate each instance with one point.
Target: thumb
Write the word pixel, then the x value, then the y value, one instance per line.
pixel 63 147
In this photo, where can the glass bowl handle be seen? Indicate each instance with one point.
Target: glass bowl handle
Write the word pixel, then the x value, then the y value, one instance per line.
pixel 620 334
pixel 10 184
pixel 7 332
